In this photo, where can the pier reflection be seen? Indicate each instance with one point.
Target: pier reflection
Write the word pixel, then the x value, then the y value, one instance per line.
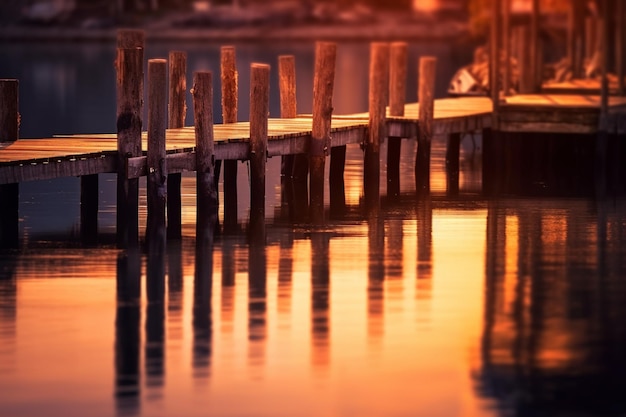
pixel 554 334
pixel 127 333
pixel 257 303
pixel 202 301
pixel 320 299
pixel 8 310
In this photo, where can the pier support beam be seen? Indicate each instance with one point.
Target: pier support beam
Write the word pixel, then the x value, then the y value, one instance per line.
pixel 378 93
pixel 9 193
pixel 397 98
pixel 89 209
pixel 129 66
pixel 426 99
pixel 206 187
pixel 453 152
pixel 323 83
pixel 230 93
pixel 259 111
pixel 288 104
pixel 176 119
pixel 157 169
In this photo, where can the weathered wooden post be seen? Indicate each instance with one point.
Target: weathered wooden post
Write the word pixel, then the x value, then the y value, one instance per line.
pixel 9 132
pixel 620 55
pixel 535 48
pixel 397 98
pixel 206 187
pixel 157 169
pixel 259 113
pixel 522 33
pixel 89 208
pixel 129 66
pixel 176 119
pixel 575 34
pixel 426 99
pixel 494 56
pixel 295 189
pixel 378 93
pixel 323 83
pixel 230 91
pixel 453 153
pixel 506 46
pixel 287 90
pixel 591 33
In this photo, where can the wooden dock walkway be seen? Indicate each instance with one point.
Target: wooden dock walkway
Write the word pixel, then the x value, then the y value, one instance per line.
pixel 86 154
pixel 315 137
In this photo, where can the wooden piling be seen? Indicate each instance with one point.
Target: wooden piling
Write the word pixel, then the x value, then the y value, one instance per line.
pixel 494 56
pixel 426 98
pixel 620 44
pixel 230 91
pixel 157 170
pixel 398 53
pixel 378 98
pixel 506 46
pixel 591 32
pixel 453 153
pixel 9 113
pixel 535 49
pixel 522 33
pixel 129 67
pixel 131 38
pixel 206 187
pixel 176 119
pixel 604 62
pixel 89 209
pixel 287 90
pixel 575 35
pixel 259 113
pixel 9 132
pixel 323 83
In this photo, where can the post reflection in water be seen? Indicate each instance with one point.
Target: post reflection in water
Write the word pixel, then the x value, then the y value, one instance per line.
pixel 8 310
pixel 175 290
pixel 424 215
pixel 127 333
pixel 320 299
pixel 202 298
pixel 553 335
pixel 155 316
pixel 257 303
pixel 376 277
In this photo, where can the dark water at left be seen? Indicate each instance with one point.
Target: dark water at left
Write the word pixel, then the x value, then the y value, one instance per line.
pixel 451 304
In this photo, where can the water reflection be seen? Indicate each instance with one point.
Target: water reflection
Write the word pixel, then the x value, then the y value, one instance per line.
pixel 320 299
pixel 554 337
pixel 127 333
pixel 257 303
pixel 202 303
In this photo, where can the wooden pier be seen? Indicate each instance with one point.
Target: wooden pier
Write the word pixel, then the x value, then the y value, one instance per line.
pixel 161 154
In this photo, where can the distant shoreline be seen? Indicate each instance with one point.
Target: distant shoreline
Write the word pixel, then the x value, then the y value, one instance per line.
pixel 261 33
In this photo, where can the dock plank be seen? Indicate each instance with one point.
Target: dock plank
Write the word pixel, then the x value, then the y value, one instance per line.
pixel 85 154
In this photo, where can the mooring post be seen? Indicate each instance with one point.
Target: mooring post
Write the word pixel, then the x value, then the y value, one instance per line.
pixel 287 90
pixel 206 187
pixel 323 83
pixel 230 91
pixel 426 99
pixel 9 132
pixel 506 46
pixel 89 208
pixel 398 53
pixel 591 33
pixel 378 98
pixel 259 113
pixel 129 67
pixel 576 38
pixel 494 56
pixel 535 60
pixel 620 55
pixel 453 153
pixel 157 169
pixel 176 119
pixel 522 33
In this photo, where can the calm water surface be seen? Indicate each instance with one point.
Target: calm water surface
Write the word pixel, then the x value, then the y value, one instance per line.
pixel 447 305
